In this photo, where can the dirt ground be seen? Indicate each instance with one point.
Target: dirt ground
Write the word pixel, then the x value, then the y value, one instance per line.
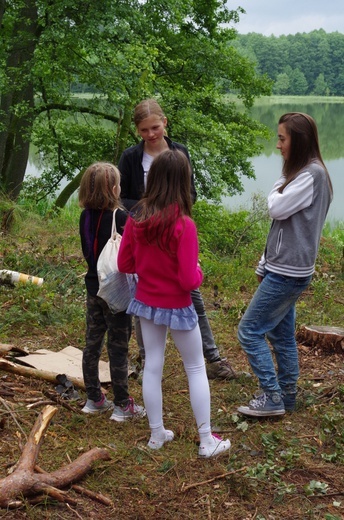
pixel 265 476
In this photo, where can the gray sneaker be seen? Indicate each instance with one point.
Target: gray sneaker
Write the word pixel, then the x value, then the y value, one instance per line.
pixel 131 411
pixel 264 405
pixel 97 407
pixel 220 370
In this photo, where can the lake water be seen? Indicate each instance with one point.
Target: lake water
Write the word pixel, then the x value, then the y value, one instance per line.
pixel 267 170
pixel 329 116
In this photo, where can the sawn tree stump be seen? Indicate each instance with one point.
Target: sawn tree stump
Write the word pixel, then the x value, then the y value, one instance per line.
pixel 327 339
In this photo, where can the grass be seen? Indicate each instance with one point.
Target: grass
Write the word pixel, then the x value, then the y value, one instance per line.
pixel 290 467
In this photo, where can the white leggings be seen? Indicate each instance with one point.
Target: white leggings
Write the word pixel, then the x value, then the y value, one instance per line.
pixel 189 345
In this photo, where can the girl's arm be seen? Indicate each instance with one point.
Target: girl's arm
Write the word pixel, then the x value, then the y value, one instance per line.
pixel 297 195
pixel 189 272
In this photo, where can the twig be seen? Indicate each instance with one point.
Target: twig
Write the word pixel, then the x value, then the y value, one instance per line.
pixel 39 403
pixel 147 452
pixel 57 399
pixel 325 495
pixel 223 475
pixel 74 511
pixel 13 416
pixel 95 496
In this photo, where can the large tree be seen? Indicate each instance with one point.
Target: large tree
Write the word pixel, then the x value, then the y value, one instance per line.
pixel 122 51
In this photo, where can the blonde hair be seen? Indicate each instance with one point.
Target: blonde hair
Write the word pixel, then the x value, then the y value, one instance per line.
pixel 146 108
pixel 97 187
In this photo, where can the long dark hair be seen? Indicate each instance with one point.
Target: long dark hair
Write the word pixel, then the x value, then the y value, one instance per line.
pixel 167 197
pixel 304 145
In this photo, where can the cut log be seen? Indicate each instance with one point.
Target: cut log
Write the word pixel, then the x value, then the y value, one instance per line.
pixel 25 482
pixel 8 366
pixel 328 339
pixel 5 348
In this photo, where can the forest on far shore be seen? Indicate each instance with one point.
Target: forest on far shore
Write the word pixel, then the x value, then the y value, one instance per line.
pixel 299 64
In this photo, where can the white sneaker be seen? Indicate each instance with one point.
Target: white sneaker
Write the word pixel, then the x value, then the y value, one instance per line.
pixel 215 448
pixel 157 444
pixel 101 406
pixel 131 411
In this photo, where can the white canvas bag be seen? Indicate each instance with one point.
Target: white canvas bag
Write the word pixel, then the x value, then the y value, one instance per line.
pixel 114 287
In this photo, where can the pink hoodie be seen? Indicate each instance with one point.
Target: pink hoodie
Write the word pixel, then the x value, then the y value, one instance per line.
pixel 165 279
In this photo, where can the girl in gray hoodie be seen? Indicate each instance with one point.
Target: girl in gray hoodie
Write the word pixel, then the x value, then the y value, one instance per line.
pixel 298 204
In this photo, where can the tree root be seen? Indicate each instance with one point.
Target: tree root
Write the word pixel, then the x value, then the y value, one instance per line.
pixel 24 482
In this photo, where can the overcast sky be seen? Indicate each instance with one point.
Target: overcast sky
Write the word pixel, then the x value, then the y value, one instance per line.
pixel 289 16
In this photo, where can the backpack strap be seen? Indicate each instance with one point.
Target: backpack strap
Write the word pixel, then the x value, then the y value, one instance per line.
pixel 95 243
pixel 114 229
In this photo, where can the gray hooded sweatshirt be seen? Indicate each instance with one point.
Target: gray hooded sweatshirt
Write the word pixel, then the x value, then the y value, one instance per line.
pixel 298 218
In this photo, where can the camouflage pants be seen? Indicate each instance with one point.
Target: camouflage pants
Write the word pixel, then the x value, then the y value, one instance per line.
pixel 99 321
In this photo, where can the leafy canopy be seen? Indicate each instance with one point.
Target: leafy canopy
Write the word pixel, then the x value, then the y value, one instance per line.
pixel 92 62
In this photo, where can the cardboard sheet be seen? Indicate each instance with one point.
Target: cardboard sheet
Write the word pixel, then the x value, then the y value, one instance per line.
pixel 67 361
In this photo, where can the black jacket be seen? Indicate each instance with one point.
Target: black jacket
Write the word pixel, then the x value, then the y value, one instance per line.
pixel 88 224
pixel 132 174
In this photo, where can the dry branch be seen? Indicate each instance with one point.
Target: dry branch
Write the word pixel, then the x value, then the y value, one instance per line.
pixel 5 348
pixel 223 475
pixel 25 482
pixel 8 366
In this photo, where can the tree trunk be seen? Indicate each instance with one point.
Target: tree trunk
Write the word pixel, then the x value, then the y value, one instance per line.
pixel 17 101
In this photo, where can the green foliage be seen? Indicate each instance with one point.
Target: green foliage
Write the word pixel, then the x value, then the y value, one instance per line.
pixel 316 487
pixel 124 52
pixel 304 63
pixel 222 233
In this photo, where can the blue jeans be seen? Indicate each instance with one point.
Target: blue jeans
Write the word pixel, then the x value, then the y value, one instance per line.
pixel 271 314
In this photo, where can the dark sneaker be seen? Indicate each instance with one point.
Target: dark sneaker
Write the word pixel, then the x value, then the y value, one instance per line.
pixel 131 411
pixel 220 370
pixel 264 405
pixel 289 402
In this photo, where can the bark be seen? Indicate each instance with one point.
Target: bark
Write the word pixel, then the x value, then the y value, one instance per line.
pixel 25 482
pixel 18 92
pixel 5 348
pixel 8 366
pixel 327 339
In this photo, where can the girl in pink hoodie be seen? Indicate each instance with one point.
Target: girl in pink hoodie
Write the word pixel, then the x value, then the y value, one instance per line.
pixel 160 245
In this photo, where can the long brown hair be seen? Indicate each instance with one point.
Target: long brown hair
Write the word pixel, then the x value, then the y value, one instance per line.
pixel 167 197
pixel 304 145
pixel 96 187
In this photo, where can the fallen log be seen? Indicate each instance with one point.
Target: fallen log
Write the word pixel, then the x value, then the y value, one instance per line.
pixel 5 348
pixel 21 370
pixel 327 339
pixel 24 482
